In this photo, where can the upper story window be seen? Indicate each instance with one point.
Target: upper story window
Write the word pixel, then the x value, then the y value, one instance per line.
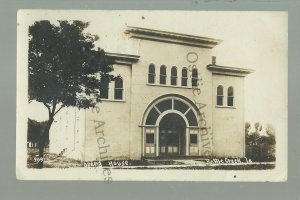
pixel 220 95
pixel 230 96
pixel 118 89
pixel 173 75
pixel 184 77
pixel 151 73
pixel 163 76
pixel 104 87
pixel 112 90
pixel 194 77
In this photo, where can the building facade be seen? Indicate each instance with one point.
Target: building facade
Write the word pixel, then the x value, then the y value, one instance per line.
pixel 171 99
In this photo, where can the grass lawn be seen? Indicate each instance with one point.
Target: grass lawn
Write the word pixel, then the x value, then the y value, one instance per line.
pixel 51 160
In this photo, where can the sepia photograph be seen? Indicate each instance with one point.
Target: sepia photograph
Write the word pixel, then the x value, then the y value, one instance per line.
pixel 152 95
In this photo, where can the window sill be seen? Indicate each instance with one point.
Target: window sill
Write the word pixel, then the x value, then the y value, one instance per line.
pixel 231 107
pixel 113 100
pixel 173 86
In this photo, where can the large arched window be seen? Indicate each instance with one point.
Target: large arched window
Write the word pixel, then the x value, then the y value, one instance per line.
pixel 152 116
pixel 119 88
pixel 104 87
pixel 230 96
pixel 151 73
pixel 184 77
pixel 163 76
pixel 220 95
pixel 170 104
pixel 194 77
pixel 173 75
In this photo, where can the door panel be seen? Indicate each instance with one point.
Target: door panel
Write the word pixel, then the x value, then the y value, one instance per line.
pixel 150 144
pixel 169 142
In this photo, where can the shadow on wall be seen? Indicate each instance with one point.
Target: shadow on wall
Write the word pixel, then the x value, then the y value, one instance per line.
pixel 259 146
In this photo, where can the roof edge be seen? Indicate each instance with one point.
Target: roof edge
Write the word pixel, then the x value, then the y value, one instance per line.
pixel 229 71
pixel 171 37
pixel 126 59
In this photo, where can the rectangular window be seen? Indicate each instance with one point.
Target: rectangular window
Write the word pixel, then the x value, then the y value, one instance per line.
pixel 193 138
pixel 150 138
pixel 184 81
pixel 104 88
pixel 119 93
pixel 173 80
pixel 220 100
pixel 151 78
pixel 194 77
pixel 230 101
pixel 162 79
pixel 104 93
pixel 194 82
pixel 230 96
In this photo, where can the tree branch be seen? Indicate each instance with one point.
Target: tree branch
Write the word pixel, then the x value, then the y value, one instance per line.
pixel 59 109
pixel 53 107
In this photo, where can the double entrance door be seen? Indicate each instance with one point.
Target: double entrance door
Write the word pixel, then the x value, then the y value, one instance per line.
pixel 172 135
pixel 171 142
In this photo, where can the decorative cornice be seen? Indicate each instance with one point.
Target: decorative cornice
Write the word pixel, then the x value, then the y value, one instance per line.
pixel 125 59
pixel 229 71
pixel 171 37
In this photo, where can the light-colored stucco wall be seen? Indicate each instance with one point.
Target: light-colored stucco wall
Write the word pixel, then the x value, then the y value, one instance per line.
pixel 143 94
pixel 111 139
pixel 228 122
pixel 113 129
pixel 67 133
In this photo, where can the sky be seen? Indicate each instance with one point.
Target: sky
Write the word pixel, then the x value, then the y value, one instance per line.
pixel 254 40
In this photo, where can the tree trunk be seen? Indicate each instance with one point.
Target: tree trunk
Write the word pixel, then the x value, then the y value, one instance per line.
pixel 42 143
pixel 40 164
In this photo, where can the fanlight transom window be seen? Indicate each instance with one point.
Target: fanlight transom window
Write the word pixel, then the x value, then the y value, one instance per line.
pixel 170 104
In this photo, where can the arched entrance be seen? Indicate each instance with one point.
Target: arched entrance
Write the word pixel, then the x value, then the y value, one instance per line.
pixel 170 128
pixel 172 137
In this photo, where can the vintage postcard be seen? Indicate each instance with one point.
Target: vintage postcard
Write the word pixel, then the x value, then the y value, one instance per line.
pixel 152 95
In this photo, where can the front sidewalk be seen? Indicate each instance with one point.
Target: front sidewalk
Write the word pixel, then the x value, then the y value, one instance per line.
pixel 188 163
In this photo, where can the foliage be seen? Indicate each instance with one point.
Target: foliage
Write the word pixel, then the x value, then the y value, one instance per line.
pixel 64 69
pixel 34 130
pixel 63 65
pixel 258 146
pixel 247 127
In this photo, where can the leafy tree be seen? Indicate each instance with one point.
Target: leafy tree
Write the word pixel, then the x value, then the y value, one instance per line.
pixel 258 146
pixel 64 69
pixel 34 128
pixel 258 128
pixel 247 128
